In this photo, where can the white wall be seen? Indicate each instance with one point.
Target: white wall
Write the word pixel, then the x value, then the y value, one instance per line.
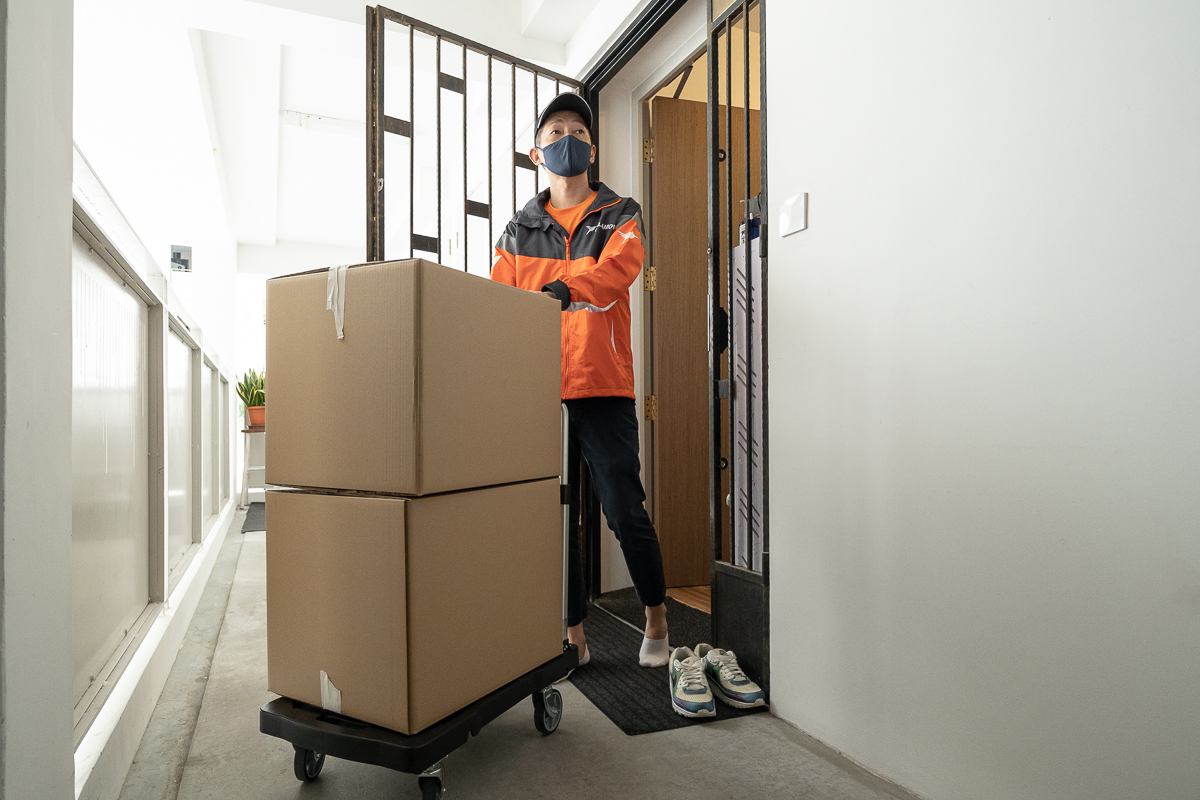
pixel 140 122
pixel 35 637
pixel 984 383
pixel 620 155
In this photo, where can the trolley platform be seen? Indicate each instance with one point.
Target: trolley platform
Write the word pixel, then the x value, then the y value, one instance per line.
pixel 316 733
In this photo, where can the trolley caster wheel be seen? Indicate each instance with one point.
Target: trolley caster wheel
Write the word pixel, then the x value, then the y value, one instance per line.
pixel 308 764
pixel 547 710
pixel 433 782
pixel 431 788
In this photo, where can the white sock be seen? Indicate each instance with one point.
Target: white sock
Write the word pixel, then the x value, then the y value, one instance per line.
pixel 654 653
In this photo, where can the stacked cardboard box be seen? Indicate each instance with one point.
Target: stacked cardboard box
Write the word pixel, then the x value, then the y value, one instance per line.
pixel 416 565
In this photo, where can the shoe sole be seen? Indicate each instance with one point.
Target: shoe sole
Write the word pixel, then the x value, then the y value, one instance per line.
pixel 729 701
pixel 691 714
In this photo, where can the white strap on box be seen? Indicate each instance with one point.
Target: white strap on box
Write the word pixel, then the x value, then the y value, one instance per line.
pixel 335 296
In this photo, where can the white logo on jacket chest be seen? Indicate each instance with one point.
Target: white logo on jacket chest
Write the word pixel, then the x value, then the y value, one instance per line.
pixel 608 226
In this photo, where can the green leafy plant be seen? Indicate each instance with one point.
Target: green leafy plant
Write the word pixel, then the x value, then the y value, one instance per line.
pixel 253 389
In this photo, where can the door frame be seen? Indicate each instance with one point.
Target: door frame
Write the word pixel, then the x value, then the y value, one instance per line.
pixel 740 597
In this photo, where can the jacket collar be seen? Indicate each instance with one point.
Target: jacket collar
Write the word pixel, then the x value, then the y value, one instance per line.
pixel 535 215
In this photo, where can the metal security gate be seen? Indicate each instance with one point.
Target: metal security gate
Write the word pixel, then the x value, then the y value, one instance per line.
pixel 738 271
pixel 450 123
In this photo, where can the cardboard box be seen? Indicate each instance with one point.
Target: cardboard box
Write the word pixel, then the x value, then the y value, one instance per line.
pixel 412 607
pixel 444 381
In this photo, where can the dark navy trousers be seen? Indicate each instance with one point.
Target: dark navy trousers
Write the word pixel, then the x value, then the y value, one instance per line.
pixel 604 432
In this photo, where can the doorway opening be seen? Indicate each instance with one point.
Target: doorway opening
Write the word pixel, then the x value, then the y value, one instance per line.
pixel 704 329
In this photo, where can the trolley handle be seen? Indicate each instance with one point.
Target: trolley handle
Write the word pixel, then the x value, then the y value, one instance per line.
pixel 565 498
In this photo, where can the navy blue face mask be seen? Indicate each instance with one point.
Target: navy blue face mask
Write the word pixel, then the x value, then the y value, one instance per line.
pixel 568 157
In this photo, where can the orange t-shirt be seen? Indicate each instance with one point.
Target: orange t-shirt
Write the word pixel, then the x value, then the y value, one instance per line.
pixel 569 217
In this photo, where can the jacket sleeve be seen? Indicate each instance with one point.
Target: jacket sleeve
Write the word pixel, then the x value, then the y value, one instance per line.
pixel 599 286
pixel 504 262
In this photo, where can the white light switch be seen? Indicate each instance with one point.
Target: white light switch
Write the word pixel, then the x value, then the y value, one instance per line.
pixel 793 217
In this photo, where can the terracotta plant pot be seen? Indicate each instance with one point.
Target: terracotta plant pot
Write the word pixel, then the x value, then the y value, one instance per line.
pixel 257 416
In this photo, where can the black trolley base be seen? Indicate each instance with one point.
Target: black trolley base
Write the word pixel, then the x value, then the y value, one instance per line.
pixel 316 733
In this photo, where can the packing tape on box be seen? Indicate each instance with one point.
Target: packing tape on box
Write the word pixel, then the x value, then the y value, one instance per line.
pixel 331 697
pixel 335 296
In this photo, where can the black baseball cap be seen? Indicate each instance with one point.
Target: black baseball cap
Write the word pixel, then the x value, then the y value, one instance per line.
pixel 567 101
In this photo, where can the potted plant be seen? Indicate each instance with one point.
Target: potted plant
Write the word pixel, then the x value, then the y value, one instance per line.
pixel 253 392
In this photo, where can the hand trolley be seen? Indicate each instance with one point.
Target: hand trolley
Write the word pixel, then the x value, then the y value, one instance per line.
pixel 315 733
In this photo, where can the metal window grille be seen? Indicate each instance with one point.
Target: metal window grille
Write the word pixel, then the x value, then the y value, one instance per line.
pixel 738 242
pixel 450 123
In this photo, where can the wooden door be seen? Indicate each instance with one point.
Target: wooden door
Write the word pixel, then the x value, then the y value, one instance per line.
pixel 679 242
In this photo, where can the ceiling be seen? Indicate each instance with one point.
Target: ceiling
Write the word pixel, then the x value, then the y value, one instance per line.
pixel 283 83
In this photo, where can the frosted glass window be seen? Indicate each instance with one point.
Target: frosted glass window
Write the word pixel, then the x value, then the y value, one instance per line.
pixel 109 464
pixel 223 436
pixel 206 432
pixel 179 449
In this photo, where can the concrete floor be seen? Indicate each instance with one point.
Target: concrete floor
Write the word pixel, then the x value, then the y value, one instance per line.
pixel 757 756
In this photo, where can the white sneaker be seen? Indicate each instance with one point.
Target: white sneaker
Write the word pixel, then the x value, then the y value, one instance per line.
pixel 727 680
pixel 690 694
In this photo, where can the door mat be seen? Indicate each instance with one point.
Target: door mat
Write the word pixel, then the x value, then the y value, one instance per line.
pixel 256 518
pixel 637 699
pixel 685 625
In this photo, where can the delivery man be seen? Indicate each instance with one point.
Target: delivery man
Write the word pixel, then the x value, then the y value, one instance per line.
pixel 581 244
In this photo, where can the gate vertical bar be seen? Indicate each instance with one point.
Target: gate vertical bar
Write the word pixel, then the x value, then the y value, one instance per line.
pixel 412 146
pixel 512 155
pixel 537 174
pixel 747 216
pixel 762 265
pixel 714 302
pixel 490 146
pixel 437 82
pixel 373 135
pixel 466 140
pixel 728 444
pixel 378 126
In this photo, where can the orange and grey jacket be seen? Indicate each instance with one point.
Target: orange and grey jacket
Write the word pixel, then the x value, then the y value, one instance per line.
pixel 590 272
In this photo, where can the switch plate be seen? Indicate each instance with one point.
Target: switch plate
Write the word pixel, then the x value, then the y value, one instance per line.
pixel 793 216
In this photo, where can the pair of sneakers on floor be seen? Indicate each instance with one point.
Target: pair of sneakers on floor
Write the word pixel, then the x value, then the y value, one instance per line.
pixel 709 672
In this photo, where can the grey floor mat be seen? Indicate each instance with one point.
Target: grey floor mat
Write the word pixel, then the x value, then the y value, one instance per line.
pixel 256 518
pixel 686 625
pixel 636 698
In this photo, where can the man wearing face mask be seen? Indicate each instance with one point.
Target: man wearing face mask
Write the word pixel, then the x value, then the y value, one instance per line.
pixel 581 244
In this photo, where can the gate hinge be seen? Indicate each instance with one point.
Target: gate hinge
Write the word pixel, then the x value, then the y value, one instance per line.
pixel 648 150
pixel 650 277
pixel 723 389
pixel 651 407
